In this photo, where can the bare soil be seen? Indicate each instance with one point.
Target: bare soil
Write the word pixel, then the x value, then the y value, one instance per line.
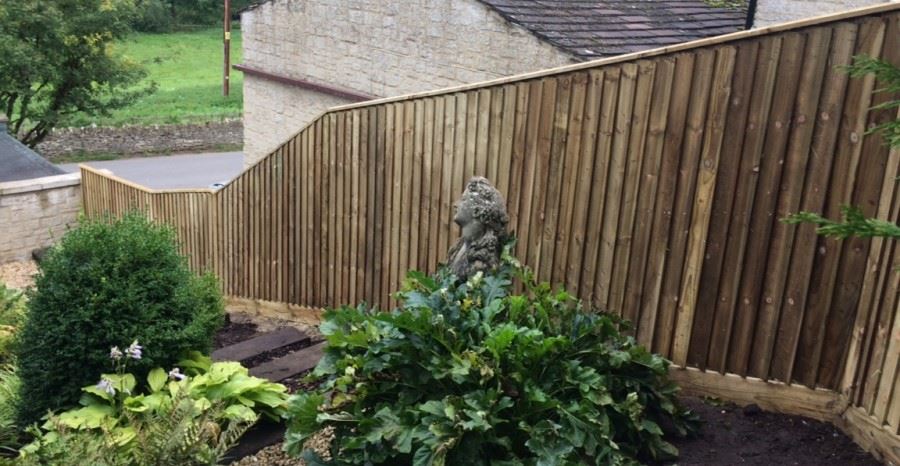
pixel 730 435
pixel 235 331
pixel 748 436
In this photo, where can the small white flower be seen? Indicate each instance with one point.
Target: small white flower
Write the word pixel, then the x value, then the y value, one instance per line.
pixel 134 350
pixel 175 374
pixel 115 353
pixel 107 386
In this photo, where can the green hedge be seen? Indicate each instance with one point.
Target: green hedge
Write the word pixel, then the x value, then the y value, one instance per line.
pixel 108 283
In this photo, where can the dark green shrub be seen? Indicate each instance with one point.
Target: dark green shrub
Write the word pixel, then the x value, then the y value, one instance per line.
pixel 470 374
pixel 106 284
pixel 153 16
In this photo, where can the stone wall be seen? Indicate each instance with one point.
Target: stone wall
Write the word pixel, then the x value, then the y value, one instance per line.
pixel 371 47
pixel 134 140
pixel 277 112
pixel 35 213
pixel 769 12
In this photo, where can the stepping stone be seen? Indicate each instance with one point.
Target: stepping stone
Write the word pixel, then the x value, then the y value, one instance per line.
pixel 262 435
pixel 290 365
pixel 262 344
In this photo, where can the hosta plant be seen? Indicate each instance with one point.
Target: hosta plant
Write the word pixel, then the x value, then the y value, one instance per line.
pixel 115 408
pixel 471 373
pixel 183 433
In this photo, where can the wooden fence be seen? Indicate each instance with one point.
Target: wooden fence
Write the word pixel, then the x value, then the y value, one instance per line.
pixel 650 184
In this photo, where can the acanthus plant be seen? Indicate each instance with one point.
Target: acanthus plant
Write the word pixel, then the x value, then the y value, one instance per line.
pixel 471 373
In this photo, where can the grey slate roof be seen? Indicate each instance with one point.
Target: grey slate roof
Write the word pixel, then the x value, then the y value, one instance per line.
pixel 601 28
pixel 18 162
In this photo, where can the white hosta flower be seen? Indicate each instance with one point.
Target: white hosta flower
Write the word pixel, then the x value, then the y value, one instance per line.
pixel 107 386
pixel 175 374
pixel 134 350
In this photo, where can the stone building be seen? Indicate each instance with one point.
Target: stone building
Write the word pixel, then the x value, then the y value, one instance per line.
pixel 38 200
pixel 301 57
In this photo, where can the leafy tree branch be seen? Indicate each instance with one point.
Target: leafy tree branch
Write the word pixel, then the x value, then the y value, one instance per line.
pixel 59 58
pixel 854 223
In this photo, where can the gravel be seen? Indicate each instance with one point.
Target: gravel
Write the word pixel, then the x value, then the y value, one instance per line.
pixel 274 456
pixel 18 274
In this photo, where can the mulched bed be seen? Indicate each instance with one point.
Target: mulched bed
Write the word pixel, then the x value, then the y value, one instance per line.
pixel 730 435
pixel 748 436
pixel 234 332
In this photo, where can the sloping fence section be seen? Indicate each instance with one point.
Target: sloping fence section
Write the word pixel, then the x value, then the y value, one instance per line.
pixel 650 184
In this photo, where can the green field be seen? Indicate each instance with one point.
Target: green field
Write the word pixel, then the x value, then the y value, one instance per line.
pixel 187 67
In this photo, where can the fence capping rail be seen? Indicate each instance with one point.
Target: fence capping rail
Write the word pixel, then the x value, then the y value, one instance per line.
pixel 109 174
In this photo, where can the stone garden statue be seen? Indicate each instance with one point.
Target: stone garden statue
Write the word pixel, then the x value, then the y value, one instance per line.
pixel 481 213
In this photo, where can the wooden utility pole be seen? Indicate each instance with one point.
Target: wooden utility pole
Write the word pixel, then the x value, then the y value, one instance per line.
pixel 227 43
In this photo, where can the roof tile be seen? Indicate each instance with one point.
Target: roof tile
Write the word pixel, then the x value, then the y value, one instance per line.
pixel 590 29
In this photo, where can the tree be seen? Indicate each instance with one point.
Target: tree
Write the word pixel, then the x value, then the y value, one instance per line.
pixel 854 223
pixel 59 58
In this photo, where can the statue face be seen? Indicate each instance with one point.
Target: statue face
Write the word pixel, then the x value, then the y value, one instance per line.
pixel 465 218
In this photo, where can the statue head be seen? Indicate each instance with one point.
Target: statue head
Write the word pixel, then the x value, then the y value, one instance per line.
pixel 481 214
pixel 480 209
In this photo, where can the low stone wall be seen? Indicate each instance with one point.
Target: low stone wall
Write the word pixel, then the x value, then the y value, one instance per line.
pixel 35 213
pixel 134 140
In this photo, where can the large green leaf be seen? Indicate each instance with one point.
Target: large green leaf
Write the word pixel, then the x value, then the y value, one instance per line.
pixel 156 379
pixel 88 417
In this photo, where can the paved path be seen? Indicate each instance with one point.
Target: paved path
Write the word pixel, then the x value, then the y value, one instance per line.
pixel 173 171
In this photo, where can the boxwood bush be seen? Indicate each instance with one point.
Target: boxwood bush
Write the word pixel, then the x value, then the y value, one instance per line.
pixel 472 373
pixel 107 283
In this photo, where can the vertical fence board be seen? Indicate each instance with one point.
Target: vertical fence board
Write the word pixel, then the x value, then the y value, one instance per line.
pixel 585 181
pixel 665 198
pixel 615 184
pixel 550 210
pixel 867 163
pixel 684 196
pixel 634 165
pixel 785 324
pixel 710 154
pixel 637 267
pixel 602 155
pixel 570 171
pixel 732 332
pixel 705 318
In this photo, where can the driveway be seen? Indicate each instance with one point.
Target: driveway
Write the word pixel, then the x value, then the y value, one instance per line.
pixel 173 171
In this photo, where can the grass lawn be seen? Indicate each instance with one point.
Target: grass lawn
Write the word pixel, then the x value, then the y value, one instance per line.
pixel 187 67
